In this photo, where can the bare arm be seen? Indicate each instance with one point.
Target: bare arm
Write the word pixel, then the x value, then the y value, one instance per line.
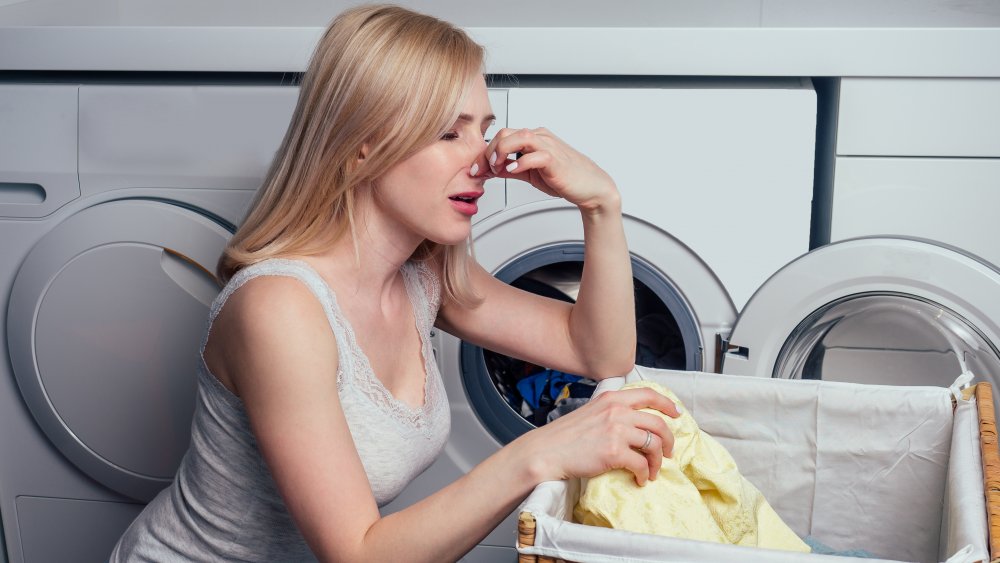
pixel 595 336
pixel 603 321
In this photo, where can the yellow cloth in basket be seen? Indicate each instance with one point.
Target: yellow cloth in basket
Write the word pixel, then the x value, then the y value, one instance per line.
pixel 699 494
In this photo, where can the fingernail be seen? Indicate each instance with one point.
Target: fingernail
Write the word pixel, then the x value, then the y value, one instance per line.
pixel 511 166
pixel 475 169
pixel 493 160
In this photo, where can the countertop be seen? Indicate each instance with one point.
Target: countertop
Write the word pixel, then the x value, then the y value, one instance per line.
pixel 891 38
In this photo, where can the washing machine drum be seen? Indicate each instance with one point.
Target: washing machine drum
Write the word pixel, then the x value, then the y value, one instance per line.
pixel 539 247
pixel 104 325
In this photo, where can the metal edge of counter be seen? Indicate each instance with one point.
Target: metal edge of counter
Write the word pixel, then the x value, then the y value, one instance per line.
pixel 886 52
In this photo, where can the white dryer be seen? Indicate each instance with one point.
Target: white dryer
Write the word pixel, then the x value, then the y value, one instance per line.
pixel 716 179
pixel 115 203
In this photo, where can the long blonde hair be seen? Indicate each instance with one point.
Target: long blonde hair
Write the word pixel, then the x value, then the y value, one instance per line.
pixel 382 77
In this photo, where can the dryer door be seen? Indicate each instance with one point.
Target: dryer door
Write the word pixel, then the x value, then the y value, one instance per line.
pixel 105 318
pixel 873 310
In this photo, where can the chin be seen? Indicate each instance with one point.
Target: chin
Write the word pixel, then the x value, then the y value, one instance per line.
pixel 449 241
pixel 456 236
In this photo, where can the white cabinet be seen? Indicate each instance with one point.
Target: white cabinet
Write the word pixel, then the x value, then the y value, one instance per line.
pixel 919 117
pixel 919 158
pixel 726 168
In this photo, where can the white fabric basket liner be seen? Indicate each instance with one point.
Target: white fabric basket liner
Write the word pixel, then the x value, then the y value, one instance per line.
pixel 892 470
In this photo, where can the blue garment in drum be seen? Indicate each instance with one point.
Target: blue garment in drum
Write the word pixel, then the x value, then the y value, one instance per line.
pixel 534 386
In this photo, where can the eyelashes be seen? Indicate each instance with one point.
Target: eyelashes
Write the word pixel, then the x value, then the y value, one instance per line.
pixel 452 135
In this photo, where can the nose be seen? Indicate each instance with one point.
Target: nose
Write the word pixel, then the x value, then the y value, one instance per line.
pixel 480 167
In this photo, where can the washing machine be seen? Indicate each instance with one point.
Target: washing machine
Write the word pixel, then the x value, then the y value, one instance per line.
pixel 716 177
pixel 906 291
pixel 116 200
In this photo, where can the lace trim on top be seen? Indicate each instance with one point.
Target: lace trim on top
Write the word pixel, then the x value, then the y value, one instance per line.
pixel 421 298
pixel 424 292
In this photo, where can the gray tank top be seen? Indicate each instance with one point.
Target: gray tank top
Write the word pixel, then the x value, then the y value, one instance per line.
pixel 223 504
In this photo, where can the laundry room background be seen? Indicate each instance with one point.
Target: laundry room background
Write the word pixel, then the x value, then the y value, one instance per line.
pixel 808 189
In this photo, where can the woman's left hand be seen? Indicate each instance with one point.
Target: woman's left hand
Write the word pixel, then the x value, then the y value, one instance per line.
pixel 551 166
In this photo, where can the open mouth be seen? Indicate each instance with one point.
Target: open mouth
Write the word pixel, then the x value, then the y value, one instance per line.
pixel 466 203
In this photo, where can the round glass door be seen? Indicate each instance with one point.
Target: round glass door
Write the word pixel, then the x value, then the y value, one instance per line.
pixel 875 310
pixel 886 338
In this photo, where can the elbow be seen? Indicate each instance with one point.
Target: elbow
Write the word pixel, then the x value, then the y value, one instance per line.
pixel 623 367
pixel 611 361
pixel 623 360
pixel 611 367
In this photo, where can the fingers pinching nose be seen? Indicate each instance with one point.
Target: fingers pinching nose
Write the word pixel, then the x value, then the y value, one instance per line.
pixel 493 162
pixel 474 170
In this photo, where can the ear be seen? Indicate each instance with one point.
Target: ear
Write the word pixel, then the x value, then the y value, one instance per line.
pixel 363 153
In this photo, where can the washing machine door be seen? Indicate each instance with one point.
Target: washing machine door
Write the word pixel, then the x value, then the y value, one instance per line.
pixel 104 323
pixel 873 310
pixel 680 307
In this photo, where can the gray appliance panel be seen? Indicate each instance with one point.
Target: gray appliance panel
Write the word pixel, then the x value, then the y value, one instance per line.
pixel 154 136
pixel 38 143
pixel 105 316
pixel 59 530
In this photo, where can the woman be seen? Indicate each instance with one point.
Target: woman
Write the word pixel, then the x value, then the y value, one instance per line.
pixel 318 396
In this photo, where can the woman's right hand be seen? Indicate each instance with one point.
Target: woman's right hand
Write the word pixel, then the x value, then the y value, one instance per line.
pixel 607 433
pixel 552 166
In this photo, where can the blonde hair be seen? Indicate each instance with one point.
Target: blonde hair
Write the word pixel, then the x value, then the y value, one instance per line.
pixel 382 77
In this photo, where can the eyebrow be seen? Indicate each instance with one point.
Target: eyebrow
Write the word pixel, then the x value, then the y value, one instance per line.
pixel 468 118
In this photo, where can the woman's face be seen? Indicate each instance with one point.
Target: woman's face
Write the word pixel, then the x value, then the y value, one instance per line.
pixel 433 194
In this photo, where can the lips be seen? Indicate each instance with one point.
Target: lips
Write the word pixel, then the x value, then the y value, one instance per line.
pixel 467 196
pixel 465 203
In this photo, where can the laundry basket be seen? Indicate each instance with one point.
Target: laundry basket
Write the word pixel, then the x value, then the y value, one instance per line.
pixel 904 473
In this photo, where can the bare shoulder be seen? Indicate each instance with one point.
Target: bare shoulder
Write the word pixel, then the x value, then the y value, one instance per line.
pixel 272 305
pixel 269 320
pixel 268 300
